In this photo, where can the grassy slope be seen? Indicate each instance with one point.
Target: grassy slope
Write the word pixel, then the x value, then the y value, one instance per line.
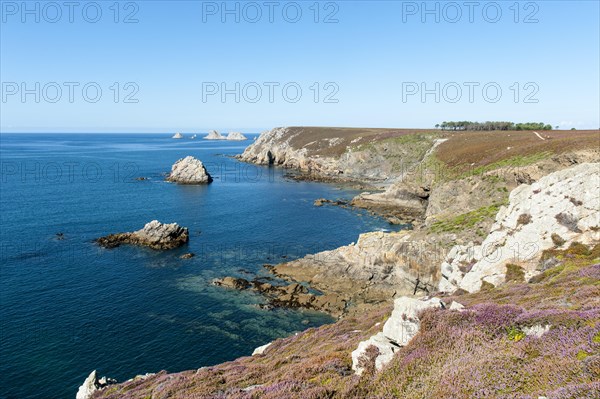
pixel 479 353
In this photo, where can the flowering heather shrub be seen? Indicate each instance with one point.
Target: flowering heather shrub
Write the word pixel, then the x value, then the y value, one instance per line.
pixel 455 355
pixel 592 271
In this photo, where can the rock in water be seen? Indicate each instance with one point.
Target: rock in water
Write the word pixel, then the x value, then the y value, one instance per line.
pixel 189 170
pixel 177 136
pixel 93 384
pixel 155 235
pixel 214 135
pixel 236 136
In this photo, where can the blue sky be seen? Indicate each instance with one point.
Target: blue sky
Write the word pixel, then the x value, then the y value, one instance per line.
pixel 369 68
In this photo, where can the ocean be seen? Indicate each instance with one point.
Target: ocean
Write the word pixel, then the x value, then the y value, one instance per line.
pixel 68 307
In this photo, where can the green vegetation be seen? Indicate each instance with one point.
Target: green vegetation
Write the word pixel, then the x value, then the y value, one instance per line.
pixel 490 126
pixel 466 220
pixel 514 273
pixel 512 162
pixel 515 334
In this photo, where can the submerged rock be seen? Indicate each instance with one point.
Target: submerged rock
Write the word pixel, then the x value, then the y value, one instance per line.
pixel 93 384
pixel 236 136
pixel 214 135
pixel 189 170
pixel 189 255
pixel 232 282
pixel 155 235
pixel 290 296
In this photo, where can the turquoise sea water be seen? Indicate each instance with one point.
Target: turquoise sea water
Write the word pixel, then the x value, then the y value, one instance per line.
pixel 68 307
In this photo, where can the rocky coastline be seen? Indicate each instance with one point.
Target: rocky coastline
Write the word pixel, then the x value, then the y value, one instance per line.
pixel 455 269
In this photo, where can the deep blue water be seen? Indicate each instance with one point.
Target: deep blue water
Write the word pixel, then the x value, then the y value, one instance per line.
pixel 68 306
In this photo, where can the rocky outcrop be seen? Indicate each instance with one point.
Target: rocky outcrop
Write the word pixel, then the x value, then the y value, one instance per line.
pixel 401 202
pixel 177 136
pixel 93 384
pixel 559 209
pixel 214 135
pixel 375 269
pixel 236 136
pixel 397 332
pixel 155 235
pixel 189 170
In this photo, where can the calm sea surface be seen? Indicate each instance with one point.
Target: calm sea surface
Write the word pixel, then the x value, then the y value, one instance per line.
pixel 68 307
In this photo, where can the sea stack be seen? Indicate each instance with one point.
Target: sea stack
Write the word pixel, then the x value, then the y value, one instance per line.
pixel 189 170
pixel 214 135
pixel 236 136
pixel 177 136
pixel 155 235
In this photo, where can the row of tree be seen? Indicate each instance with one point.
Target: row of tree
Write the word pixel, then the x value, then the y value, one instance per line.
pixel 479 126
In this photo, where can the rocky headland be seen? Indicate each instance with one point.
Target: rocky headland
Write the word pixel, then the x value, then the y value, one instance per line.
pixel 189 170
pixel 156 235
pixel 492 293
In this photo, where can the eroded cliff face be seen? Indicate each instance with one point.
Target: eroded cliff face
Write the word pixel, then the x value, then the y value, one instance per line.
pixel 554 212
pixel 342 154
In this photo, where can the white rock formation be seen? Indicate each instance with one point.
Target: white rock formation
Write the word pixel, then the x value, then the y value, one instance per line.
pixel 189 170
pixel 161 233
pixel 261 349
pixel 93 384
pixel 177 136
pixel 236 136
pixel 214 135
pixel 398 330
pixel 565 204
pixel 536 330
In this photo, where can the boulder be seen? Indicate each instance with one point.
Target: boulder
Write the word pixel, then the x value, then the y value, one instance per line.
pixel 214 135
pixel 189 170
pixel 155 235
pixel 236 136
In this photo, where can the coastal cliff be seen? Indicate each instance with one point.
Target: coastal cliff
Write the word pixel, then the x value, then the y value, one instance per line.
pixel 425 313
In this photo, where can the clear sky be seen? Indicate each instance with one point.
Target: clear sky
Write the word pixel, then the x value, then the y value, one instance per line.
pixel 357 63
